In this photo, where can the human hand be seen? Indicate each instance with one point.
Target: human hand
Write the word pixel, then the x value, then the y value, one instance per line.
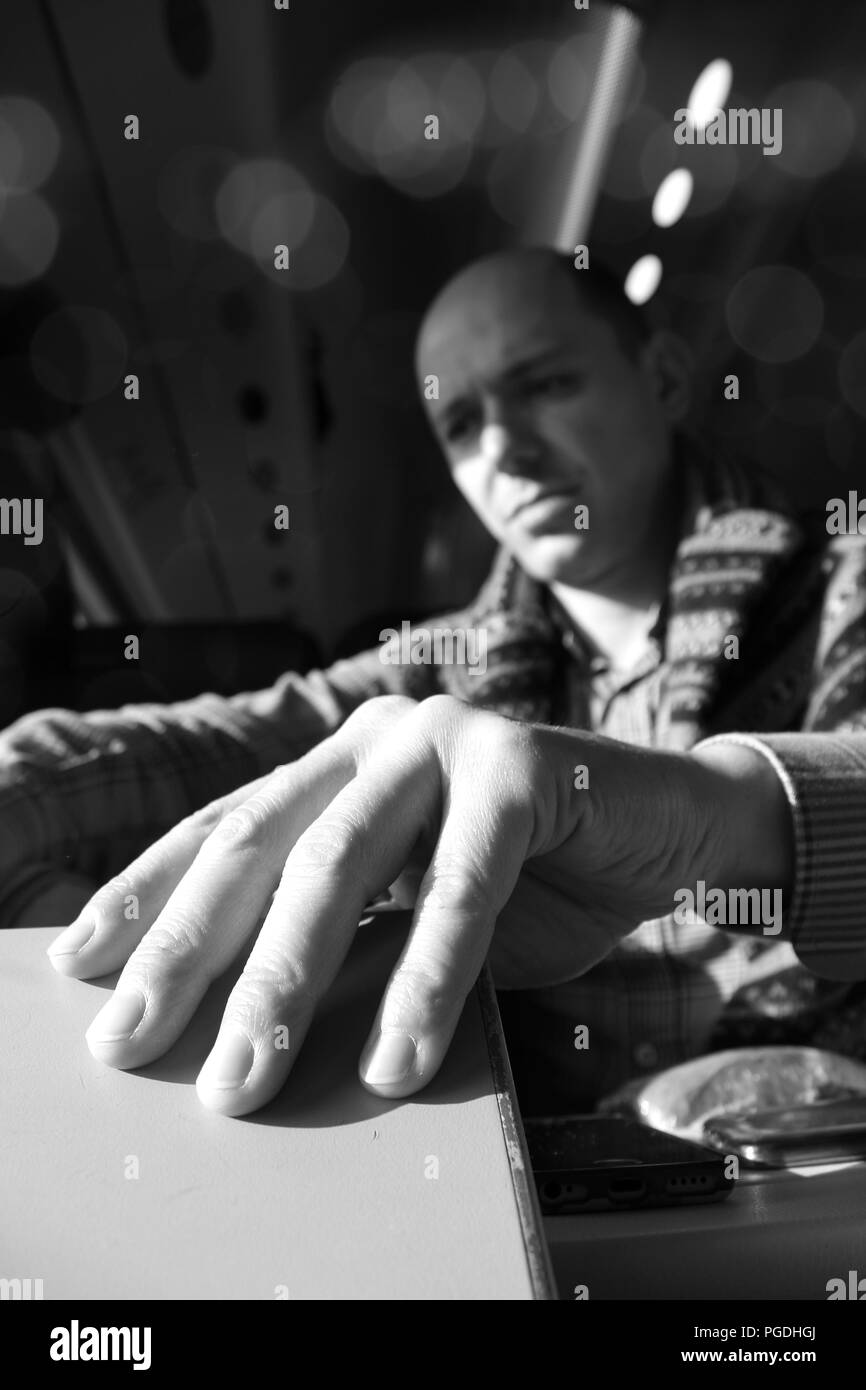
pixel 474 817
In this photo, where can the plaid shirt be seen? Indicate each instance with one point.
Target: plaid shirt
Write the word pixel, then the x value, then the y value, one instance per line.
pixel 84 793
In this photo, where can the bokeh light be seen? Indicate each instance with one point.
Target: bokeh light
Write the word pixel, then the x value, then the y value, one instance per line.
pixel 79 353
pixel 29 236
pixel 774 313
pixel 464 97
pixel 569 77
pixel 643 279
pixel 513 92
pixel 378 114
pixel 537 55
pixel 714 169
pixel 320 256
pixel 252 198
pixel 672 197
pixel 710 92
pixel 482 98
pixel 287 218
pixel 355 109
pixel 29 144
pixel 817 128
pixel 406 101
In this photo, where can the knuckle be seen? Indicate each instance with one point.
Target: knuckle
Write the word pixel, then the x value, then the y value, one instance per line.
pixel 392 704
pixel 458 888
pixel 203 821
pixel 437 708
pixel 379 710
pixel 173 946
pixel 508 751
pixel 331 847
pixel 503 737
pixel 424 988
pixel 367 724
pixel 280 781
pixel 476 738
pixel 243 830
pixel 270 982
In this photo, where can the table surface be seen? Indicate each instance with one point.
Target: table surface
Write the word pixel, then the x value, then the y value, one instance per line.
pixel 326 1193
pixel 779 1235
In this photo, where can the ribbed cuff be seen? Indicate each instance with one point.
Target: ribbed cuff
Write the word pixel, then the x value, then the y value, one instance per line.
pixel 824 776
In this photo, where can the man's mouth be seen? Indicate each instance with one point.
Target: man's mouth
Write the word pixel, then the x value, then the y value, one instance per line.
pixel 542 504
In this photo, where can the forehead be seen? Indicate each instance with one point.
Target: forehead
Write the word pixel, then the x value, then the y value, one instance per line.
pixel 485 328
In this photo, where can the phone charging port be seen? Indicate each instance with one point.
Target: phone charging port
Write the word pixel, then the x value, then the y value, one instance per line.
pixel 626 1189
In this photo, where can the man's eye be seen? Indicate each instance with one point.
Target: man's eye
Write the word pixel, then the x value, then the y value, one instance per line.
pixel 457 429
pixel 551 383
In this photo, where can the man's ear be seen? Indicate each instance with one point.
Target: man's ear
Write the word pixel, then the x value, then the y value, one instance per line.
pixel 668 359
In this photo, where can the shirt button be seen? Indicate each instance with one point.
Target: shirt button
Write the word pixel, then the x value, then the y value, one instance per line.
pixel 646 1055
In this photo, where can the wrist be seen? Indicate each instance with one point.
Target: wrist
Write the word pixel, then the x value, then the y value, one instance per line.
pixel 752 840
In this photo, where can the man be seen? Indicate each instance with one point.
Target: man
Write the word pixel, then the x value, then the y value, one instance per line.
pixel 550 808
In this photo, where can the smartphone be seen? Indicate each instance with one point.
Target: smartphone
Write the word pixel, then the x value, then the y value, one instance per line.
pixel 596 1163
pixel 795 1135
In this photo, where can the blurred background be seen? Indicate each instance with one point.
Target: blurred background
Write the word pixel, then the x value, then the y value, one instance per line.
pixel 153 258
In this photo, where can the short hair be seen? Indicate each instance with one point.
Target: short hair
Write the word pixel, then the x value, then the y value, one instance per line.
pixel 602 292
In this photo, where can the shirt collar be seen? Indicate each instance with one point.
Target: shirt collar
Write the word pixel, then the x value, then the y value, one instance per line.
pixel 581 647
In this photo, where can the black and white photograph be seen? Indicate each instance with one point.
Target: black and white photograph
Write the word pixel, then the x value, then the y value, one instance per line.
pixel 432 671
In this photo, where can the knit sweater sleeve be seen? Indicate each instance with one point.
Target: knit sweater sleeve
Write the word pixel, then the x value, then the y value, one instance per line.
pixel 824 776
pixel 82 793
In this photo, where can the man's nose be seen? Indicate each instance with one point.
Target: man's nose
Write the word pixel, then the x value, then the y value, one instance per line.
pixel 507 444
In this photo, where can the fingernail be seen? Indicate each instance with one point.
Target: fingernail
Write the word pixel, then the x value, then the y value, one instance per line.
pixel 119 1019
pixel 71 941
pixel 390 1060
pixel 229 1064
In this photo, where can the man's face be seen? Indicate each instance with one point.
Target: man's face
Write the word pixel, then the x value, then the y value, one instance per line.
pixel 540 411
